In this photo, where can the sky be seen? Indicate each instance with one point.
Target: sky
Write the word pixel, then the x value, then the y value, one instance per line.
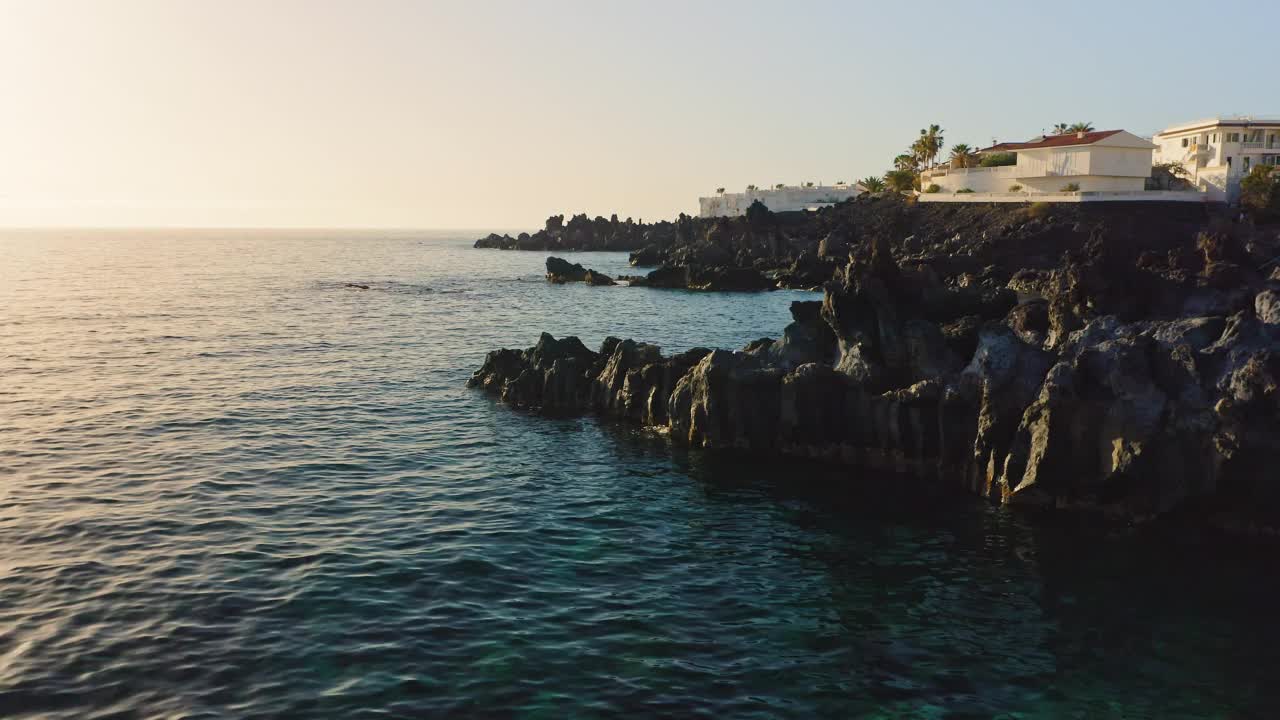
pixel 493 115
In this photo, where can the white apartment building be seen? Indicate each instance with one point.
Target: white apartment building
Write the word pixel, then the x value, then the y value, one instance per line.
pixel 1218 151
pixel 777 199
pixel 1103 161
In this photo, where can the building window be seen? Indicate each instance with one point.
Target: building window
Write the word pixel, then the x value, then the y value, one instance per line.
pixel 1213 137
pixel 1233 137
pixel 1184 142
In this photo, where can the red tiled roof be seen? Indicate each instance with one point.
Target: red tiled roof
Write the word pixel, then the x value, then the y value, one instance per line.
pixel 1053 141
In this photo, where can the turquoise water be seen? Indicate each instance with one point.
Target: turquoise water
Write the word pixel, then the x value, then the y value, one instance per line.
pixel 232 487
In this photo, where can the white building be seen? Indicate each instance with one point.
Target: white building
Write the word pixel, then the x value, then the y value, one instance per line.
pixel 1105 161
pixel 783 199
pixel 1218 151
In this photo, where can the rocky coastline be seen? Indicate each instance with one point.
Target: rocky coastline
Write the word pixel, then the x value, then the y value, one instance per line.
pixel 1122 359
pixel 760 251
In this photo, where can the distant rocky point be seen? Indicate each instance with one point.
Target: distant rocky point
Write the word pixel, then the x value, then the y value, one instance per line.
pixel 760 251
pixel 581 234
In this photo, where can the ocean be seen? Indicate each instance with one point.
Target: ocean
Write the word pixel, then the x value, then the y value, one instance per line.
pixel 234 486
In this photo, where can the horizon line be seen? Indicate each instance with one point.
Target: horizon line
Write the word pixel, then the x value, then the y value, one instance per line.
pixel 300 228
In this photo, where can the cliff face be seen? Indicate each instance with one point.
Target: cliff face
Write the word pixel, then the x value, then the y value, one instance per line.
pixel 1121 361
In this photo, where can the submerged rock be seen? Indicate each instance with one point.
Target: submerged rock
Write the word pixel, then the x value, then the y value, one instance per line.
pixel 1267 307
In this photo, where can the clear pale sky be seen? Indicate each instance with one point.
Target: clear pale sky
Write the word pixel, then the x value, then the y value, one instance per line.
pixel 389 113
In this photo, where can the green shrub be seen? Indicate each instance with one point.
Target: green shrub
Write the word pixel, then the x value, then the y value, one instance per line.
pixel 1070 187
pixel 901 181
pixel 1015 188
pixel 933 188
pixel 998 159
pixel 1038 210
pixel 1260 193
pixel 964 190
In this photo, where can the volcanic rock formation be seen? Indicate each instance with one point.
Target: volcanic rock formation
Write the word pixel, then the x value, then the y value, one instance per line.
pixel 1121 359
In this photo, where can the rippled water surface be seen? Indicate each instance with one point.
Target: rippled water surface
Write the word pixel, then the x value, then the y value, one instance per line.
pixel 231 486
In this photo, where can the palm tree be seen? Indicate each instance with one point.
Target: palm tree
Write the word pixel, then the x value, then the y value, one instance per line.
pixel 751 188
pixel 1061 129
pixel 1080 127
pixel 901 181
pixel 920 153
pixel 963 156
pixel 873 184
pixel 906 161
pixel 930 144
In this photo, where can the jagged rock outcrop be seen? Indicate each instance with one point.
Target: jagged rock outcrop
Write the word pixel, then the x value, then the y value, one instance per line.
pixel 580 233
pixel 1126 377
pixel 561 271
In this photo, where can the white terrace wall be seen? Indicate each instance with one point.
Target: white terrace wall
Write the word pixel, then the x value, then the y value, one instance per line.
pixel 1218 183
pixel 979 179
pixel 1068 197
pixel 1087 183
